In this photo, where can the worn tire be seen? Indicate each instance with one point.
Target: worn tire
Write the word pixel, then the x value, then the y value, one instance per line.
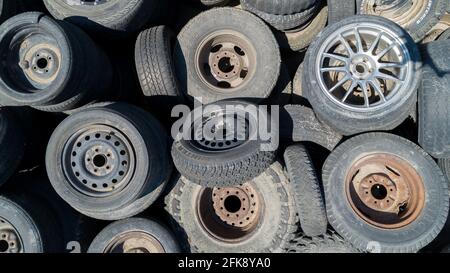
pixel 119 228
pixel 212 167
pixel 146 169
pixel 410 237
pixel 214 3
pixel 282 22
pixel 445 35
pixel 307 191
pixel 272 234
pixel 281 7
pixel 261 82
pixel 434 100
pixel 349 121
pixel 154 64
pixel 444 163
pixel 340 9
pixel 330 242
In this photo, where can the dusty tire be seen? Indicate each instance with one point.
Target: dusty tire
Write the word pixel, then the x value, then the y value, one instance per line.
pixel 298 123
pixel 417 19
pixel 445 167
pixel 112 187
pixel 282 93
pixel 214 3
pixel 330 242
pixel 307 191
pixel 8 8
pixel 214 162
pixel 115 17
pixel 230 81
pixel 134 235
pixel 340 9
pixel 281 7
pixel 56 58
pixel 434 99
pixel 299 40
pixel 348 100
pixel 154 64
pixel 282 22
pixel 350 170
pixel 271 232
pixel 445 35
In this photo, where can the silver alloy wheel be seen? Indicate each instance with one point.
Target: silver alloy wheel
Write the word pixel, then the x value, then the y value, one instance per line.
pixel 362 66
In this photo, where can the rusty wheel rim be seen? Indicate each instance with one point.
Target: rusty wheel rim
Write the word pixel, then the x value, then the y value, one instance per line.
pixel 10 240
pixel 134 242
pixel 230 214
pixel 385 190
pixel 225 60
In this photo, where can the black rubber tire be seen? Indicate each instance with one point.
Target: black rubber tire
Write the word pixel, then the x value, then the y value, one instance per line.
pixel 118 18
pixel 282 22
pixel 298 123
pixel 35 224
pixel 219 168
pixel 307 190
pixel 297 92
pixel 434 100
pixel 340 9
pixel 445 35
pixel 150 174
pixel 348 121
pixel 150 227
pixel 79 79
pixel 214 3
pixel 154 64
pixel 299 40
pixel 444 163
pixel 420 27
pixel 273 234
pixel 8 8
pixel 283 7
pixel 12 144
pixel 282 92
pixel 347 223
pixel 330 242
pixel 260 36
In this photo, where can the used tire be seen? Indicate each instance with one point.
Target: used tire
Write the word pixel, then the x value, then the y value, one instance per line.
pixel 384 191
pixel 202 64
pixel 58 67
pixel 257 216
pixel 416 16
pixel 307 191
pixel 111 17
pixel 109 162
pixel 281 7
pixel 434 100
pixel 8 8
pixel 154 64
pixel 282 22
pixel 298 123
pixel 445 167
pixel 214 3
pixel 445 35
pixel 134 235
pixel 12 144
pixel 343 84
pixel 212 160
pixel 330 242
pixel 340 9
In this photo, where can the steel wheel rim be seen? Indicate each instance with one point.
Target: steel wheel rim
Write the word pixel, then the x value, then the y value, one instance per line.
pixel 385 190
pixel 230 214
pixel 225 61
pixel 98 160
pixel 10 240
pixel 363 66
pixel 134 242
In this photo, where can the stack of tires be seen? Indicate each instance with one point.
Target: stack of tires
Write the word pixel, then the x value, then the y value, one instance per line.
pixel 224 126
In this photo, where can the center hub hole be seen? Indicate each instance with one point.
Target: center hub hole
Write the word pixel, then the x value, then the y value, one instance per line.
pixel 225 65
pixel 99 160
pixel 42 63
pixel 3 246
pixel 379 191
pixel 232 203
pixel 360 68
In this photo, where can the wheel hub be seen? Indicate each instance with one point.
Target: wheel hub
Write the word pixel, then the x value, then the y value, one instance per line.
pixel 135 242
pixel 10 241
pixel 361 67
pixel 226 65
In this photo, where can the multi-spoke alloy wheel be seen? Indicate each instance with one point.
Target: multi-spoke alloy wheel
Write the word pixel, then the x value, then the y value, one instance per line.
pixel 364 68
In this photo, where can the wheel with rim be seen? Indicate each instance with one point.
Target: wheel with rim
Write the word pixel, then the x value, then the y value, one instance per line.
pixel 363 74
pixel 257 216
pixel 51 64
pixel 376 195
pixel 227 53
pixel 223 146
pixel 416 16
pixel 109 162
pixel 134 235
pixel 113 17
